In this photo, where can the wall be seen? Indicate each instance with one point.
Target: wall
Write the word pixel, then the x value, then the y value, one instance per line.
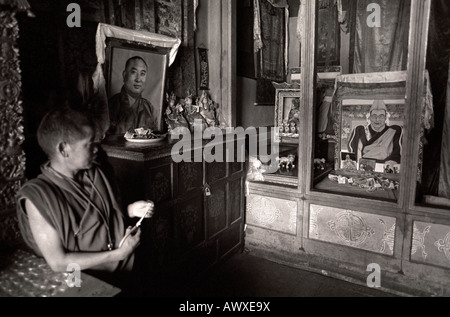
pixel 248 114
pixel 216 32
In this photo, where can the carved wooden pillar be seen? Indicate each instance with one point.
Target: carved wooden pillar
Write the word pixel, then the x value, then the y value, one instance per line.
pixel 12 157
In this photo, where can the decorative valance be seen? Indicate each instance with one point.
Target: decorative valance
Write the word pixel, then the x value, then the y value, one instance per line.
pixel 370 85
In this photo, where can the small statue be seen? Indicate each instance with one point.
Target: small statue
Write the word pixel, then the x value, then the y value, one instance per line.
pixel 207 109
pixel 388 169
pixel 254 172
pixel 348 164
pixel 293 127
pixel 286 162
pixel 174 114
pixel 192 114
pixel 294 113
pixel 319 164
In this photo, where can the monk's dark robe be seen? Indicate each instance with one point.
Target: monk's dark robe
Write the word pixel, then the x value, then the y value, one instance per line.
pixel 382 146
pixel 125 116
pixel 84 213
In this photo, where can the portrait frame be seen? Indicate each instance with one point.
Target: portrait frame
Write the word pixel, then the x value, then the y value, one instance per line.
pixel 117 53
pixel 358 91
pixel 352 113
pixel 285 94
pixel 113 47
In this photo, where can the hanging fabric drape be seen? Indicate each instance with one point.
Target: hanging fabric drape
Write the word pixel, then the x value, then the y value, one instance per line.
pixel 301 8
pixel 257 26
pixel 270 32
pixel 342 17
pixel 195 15
pixel 383 48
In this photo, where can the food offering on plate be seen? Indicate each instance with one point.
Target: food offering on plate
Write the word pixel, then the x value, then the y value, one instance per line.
pixel 143 135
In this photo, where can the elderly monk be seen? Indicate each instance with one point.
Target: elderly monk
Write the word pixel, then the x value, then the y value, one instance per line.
pixel 377 140
pixel 128 109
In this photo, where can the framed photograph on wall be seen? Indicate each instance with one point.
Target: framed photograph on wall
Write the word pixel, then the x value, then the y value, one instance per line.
pixel 132 70
pixel 288 113
pixel 151 86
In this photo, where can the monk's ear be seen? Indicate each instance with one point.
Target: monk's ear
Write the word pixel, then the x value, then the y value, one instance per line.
pixel 62 148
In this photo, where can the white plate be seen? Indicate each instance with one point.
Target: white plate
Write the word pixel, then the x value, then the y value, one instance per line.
pixel 145 141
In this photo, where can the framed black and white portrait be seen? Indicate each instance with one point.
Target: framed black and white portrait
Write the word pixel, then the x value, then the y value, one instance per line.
pixel 135 62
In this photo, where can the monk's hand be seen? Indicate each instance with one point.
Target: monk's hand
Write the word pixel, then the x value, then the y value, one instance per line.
pixel 131 242
pixel 141 209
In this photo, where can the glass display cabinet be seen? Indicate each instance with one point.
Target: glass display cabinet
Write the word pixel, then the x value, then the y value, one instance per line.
pixel 366 192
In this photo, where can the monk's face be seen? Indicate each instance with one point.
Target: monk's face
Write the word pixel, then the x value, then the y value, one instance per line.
pixel 378 119
pixel 134 77
pixel 82 152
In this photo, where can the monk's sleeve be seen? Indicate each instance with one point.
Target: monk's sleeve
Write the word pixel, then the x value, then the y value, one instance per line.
pixel 36 192
pixel 397 145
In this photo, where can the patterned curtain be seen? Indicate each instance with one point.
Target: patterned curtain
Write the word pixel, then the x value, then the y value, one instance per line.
pixel 270 44
pixel 385 48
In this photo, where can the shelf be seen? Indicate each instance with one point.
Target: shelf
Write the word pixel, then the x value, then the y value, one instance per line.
pixel 278 178
pixel 289 140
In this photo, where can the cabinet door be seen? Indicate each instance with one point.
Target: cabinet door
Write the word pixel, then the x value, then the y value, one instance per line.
pixel 224 203
pixel 158 181
pixel 189 177
pixel 189 227
pixel 216 208
pixel 365 147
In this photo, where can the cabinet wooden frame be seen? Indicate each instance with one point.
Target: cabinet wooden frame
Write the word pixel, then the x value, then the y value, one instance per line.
pixel 404 273
pixel 416 69
pixel 352 110
pixel 419 18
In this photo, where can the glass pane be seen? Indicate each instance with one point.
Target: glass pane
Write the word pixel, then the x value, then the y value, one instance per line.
pixel 434 182
pixel 360 101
